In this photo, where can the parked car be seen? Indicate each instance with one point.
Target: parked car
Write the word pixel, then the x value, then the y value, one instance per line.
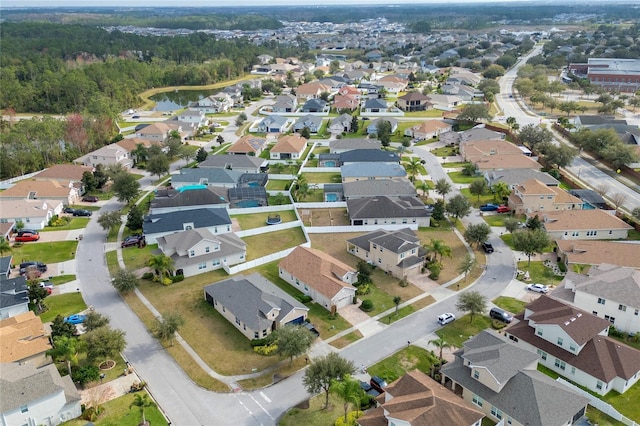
pixel 488 207
pixel 27 231
pixel 538 288
pixel 75 319
pixel 446 318
pixel 32 265
pixel 82 212
pixel 378 383
pixel 131 240
pixel 370 390
pixel 135 116
pixel 501 315
pixel 48 285
pixel 90 199
pixel 27 236
pixel 69 210
pixel 487 247
pixel 503 209
pixel 311 328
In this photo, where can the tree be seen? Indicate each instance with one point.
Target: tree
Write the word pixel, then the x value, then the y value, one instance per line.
pixel 383 132
pixel 158 165
pixel 602 189
pixel 442 187
pixel 242 117
pixel 109 220
pixel 89 181
pixel 134 218
pixel 438 247
pixel 59 327
pixel 533 136
pixel 201 155
pixel 511 223
pixel 5 246
pixel 142 401
pixel 500 191
pixel 618 199
pixel 413 167
pixel 305 132
pixel 161 264
pixel 348 390
pixel 424 187
pixel 36 295
pixel 477 233
pixel 125 187
pixel 124 281
pixel 469 169
pixel 167 326
pixel 474 113
pixel 636 213
pixel 619 154
pixel 220 140
pixel 511 121
pixel 530 242
pixel 441 344
pixel 558 155
pixel 473 302
pixel 494 71
pixel 65 348
pixel 293 340
pixel 140 154
pixel 478 187
pixel 396 301
pixel 534 223
pixel 94 320
pixel 458 206
pixel 323 371
pixel 364 272
pixel 438 210
pixel 104 343
pixel 354 124
pixel 466 265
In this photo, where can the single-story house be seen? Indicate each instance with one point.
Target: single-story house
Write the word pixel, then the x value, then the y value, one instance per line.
pixel 285 104
pixel 428 129
pixel 247 145
pixel 375 105
pixel 584 225
pixel 216 221
pixel 399 187
pixel 14 297
pixel 372 128
pixel 273 124
pixel 189 177
pixel 254 305
pixel 157 132
pixel 242 163
pixel 189 198
pixel 514 177
pixel 290 147
pixel 368 156
pixel 311 91
pixel 52 190
pixel 314 105
pixel 413 101
pixel 381 210
pixel 64 172
pixel 312 122
pixel 445 102
pixel 24 339
pixel 192 115
pixel 33 213
pixel 371 171
pixel 340 124
pixel 593 252
pixel 346 102
pixel 341 145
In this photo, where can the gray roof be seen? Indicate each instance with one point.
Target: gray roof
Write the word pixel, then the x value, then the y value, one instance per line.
pixel 612 283
pixel 589 196
pixel 257 193
pixel 386 207
pixel 360 143
pixel 207 195
pixel 250 297
pixel 223 161
pixel 376 104
pixel 369 155
pixel 253 178
pixel 529 397
pixel 372 170
pixel 514 177
pixel 314 103
pixel 391 240
pixel 308 121
pixel 5 265
pixel 386 187
pixel 344 118
pixel 333 187
pixel 174 221
pixel 13 291
pixel 209 175
pixel 230 244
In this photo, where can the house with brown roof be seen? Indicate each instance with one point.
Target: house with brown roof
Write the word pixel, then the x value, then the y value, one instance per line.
pixel 574 344
pixel 343 102
pixel 247 145
pixel 63 172
pixel 490 154
pixel 428 129
pixel 580 252
pixel 312 90
pixel 534 196
pixel 327 280
pixel 415 399
pixel 413 101
pixel 30 189
pixel 290 147
pixel 608 291
pixel 23 339
pixel 584 225
pixel 107 155
pixel 131 144
pixel 34 214
pixel 157 132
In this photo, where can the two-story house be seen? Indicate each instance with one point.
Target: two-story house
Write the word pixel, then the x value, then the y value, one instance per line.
pixel 220 102
pixel 397 252
pixel 584 225
pixel 52 190
pixel 285 104
pixel 188 198
pixel 327 280
pixel 107 155
pixel 194 116
pixel 14 297
pixel 595 252
pixel 574 344
pixel 534 196
pixel 24 339
pixel 157 132
pixel 216 221
pixel 413 101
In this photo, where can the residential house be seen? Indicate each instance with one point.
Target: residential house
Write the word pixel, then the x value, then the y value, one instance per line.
pixel 328 281
pixel 273 124
pixel 444 102
pixel 5 266
pixel 216 221
pixel 285 104
pixel 590 198
pixel 413 101
pixel 501 379
pixel 375 106
pixel 241 163
pixel 371 171
pixel 368 156
pixel 372 128
pixel 475 150
pixel 196 251
pixel 592 252
pixel 466 93
pixel 14 297
pixel 340 124
pixel 515 177
pixel 213 104
pixel 23 339
pixel 189 177
pixel 194 116
pixel 584 225
pixel 157 132
pixel 33 213
pixel 247 145
pixel 574 344
pixel 477 133
pixel 400 187
pixel 107 155
pixel 188 198
pixel 380 210
pixel 248 196
pixel 428 130
pixel 314 105
pixel 290 147
pixel 63 173
pixel 36 396
pixel 341 145
pixel 311 122
pixel 349 91
pixel 131 144
pixel 607 291
pixel 397 252
pixel 533 196
pixel 311 90
pixel 51 190
pixel 346 102
pixel 392 88
pixel 254 305
pixel 504 162
pixel 416 399
pixel 6 229
pixel 463 76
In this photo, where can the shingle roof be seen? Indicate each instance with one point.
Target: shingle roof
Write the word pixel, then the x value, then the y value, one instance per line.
pixel 27 208
pixel 402 239
pixel 201 218
pixel 247 144
pixel 565 220
pixel 597 252
pixel 13 291
pixel 41 188
pixel 290 144
pixel 366 169
pixel 189 197
pixel 208 176
pixel 413 96
pixel 22 336
pixel 233 161
pixel 613 283
pixel 386 207
pixel 386 187
pixel 517 176
pixel 64 171
pixel 348 144
pixel 534 187
pixel 369 155
pixel 178 244
pixel 375 104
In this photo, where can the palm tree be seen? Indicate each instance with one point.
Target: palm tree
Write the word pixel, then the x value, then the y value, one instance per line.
pixel 67 348
pixel 142 401
pixel 348 390
pixel 500 190
pixel 140 153
pixel 160 264
pixel 5 246
pixel 413 167
pixel 511 121
pixel 443 187
pixel 441 344
pixel 439 248
pixel 396 301
pixel 424 187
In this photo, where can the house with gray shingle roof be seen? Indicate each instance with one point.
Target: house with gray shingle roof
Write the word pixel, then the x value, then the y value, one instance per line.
pixel 189 198
pixel 371 171
pixel 400 187
pixel 515 177
pixel 272 124
pixel 312 122
pixel 5 266
pixel 254 305
pixel 501 379
pixel 217 221
pixel 375 105
pixel 368 156
pixel 381 210
pixel 14 297
pixel 224 178
pixel 372 128
pixel 341 145
pixel 285 104
pixel 243 163
pixel 314 105
pixel 340 124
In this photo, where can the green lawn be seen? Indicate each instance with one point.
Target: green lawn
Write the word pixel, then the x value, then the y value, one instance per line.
pixel 118 413
pixel 61 279
pixel 445 151
pixel 494 219
pixel 74 223
pixel 53 252
pixel 403 361
pixel 453 164
pixel 257 220
pixel 457 332
pixel 277 185
pixel 510 304
pixel 538 273
pixel 272 242
pixel 475 200
pixel 137 258
pixel 315 414
pixel 91 208
pixel 458 177
pixel 407 310
pixel 63 304
pixel 323 177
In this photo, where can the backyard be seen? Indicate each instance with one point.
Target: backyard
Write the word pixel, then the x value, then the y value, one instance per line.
pixel 324 217
pixel 273 242
pixel 258 220
pixel 52 252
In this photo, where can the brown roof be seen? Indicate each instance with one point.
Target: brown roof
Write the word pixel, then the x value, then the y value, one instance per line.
pixel 506 161
pixel 312 89
pixel 64 172
pixel 431 126
pixel 290 143
pixel 27 208
pixel 597 252
pixel 473 150
pixel 42 189
pixel 317 269
pixel 414 96
pixel 246 144
pixel 563 196
pixel 22 336
pixel 534 187
pixel 157 129
pixel 594 220
pixel 419 400
pixel 132 143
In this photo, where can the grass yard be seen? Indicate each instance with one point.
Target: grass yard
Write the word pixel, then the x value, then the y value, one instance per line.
pixel 273 242
pixel 322 177
pixel 61 279
pixel 85 206
pixel 53 252
pixel 445 151
pixel 458 250
pixel 284 370
pixel 257 220
pixel 408 310
pixel 136 258
pixel 458 177
pixel 315 414
pixel 346 340
pixel 62 304
pixel 457 332
pixel 510 304
pixel 483 199
pixel 277 185
pixel 403 361
pixel 494 219
pixel 599 418
pixel 112 262
pixel 314 196
pixel 324 217
pixel 118 413
pixel 453 164
pixel 538 273
pixel 74 223
pixel 626 403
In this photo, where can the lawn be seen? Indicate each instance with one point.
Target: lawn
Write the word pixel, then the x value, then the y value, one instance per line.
pixel 324 217
pixel 277 185
pixel 445 151
pixel 320 177
pixel 403 361
pixel 453 164
pixel 408 310
pixel 346 340
pixel 136 258
pixel 273 242
pixel 315 414
pixel 477 201
pixel 257 220
pixel 53 252
pixel 626 403
pixel 457 332
pixel 61 279
pixel 459 177
pixel 74 223
pixel 538 273
pixel 510 304
pixel 63 304
pixel 118 413
pixel 494 219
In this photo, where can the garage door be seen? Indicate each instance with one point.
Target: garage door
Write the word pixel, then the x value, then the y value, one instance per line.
pixel 298 320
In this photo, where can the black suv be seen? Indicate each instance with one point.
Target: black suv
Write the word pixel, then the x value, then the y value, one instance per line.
pixel 82 212
pixel 487 247
pixel 24 266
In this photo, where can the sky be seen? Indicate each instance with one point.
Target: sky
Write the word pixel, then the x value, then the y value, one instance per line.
pixel 218 3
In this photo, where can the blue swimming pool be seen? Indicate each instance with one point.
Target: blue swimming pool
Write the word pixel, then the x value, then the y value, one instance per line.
pixel 331 198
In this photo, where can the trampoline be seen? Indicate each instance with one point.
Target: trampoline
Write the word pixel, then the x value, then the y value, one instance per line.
pixel 273 219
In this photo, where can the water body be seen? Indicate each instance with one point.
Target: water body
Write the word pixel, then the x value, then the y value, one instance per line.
pixel 178 99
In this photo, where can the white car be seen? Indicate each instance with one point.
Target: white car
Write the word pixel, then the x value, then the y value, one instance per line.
pixel 446 318
pixel 538 288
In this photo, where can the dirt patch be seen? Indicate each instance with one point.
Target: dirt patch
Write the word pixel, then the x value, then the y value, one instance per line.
pixel 324 217
pixel 107 365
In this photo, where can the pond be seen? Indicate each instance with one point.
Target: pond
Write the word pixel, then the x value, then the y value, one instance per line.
pixel 178 99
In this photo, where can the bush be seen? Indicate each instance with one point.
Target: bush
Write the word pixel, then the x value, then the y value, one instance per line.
pixel 498 325
pixel 57 221
pixel 258 342
pixel 84 375
pixel 305 298
pixel 351 419
pixel 614 332
pixel 363 289
pixel 266 350
pixel 434 270
pixel 367 305
pixel 167 280
pixel 403 282
pixel 177 278
pixel 147 276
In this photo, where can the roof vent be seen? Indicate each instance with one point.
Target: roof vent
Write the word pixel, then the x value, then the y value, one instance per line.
pixel 579 314
pixel 567 323
pixel 573 319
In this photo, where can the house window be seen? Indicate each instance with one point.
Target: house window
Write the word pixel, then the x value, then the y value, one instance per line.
pixel 216 247
pixel 575 234
pixel 622 308
pixel 223 309
pixel 539 332
pixel 379 261
pixel 202 265
pixel 573 370
pixel 216 262
pixel 476 374
pixel 413 251
pixel 256 335
pixel 601 301
pixel 297 282
pixel 542 354
pixel 375 246
pixel 244 327
pixel 496 413
pixel 612 320
pixel 402 255
pixel 594 313
pixel 188 227
pixel 599 385
pixel 560 364
pixel 207 249
pixel 237 321
pixel 192 253
pixel 24 409
pixel 572 347
pixel 477 400
pixel 637 311
pixel 560 341
pixel 264 333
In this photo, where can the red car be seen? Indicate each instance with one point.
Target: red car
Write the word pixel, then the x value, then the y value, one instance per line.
pixel 503 209
pixel 27 236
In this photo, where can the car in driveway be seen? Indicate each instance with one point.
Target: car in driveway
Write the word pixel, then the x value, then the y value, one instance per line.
pixel 90 199
pixel 75 319
pixel 68 210
pixel 487 247
pixel 503 209
pixel 32 264
pixel 446 318
pixel 378 383
pixel 132 240
pixel 46 284
pixel 500 315
pixel 26 237
pixel 489 207
pixel 538 288
pixel 368 389
pixel 311 328
pixel 82 212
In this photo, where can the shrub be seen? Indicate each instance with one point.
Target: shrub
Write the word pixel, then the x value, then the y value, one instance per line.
pixel 86 374
pixel 147 276
pixel 367 305
pixel 614 332
pixel 57 221
pixel 305 298
pixel 177 278
pixel 351 419
pixel 266 350
pixel 403 282
pixel 167 281
pixel 363 289
pixel 434 270
pixel 498 325
pixel 258 342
